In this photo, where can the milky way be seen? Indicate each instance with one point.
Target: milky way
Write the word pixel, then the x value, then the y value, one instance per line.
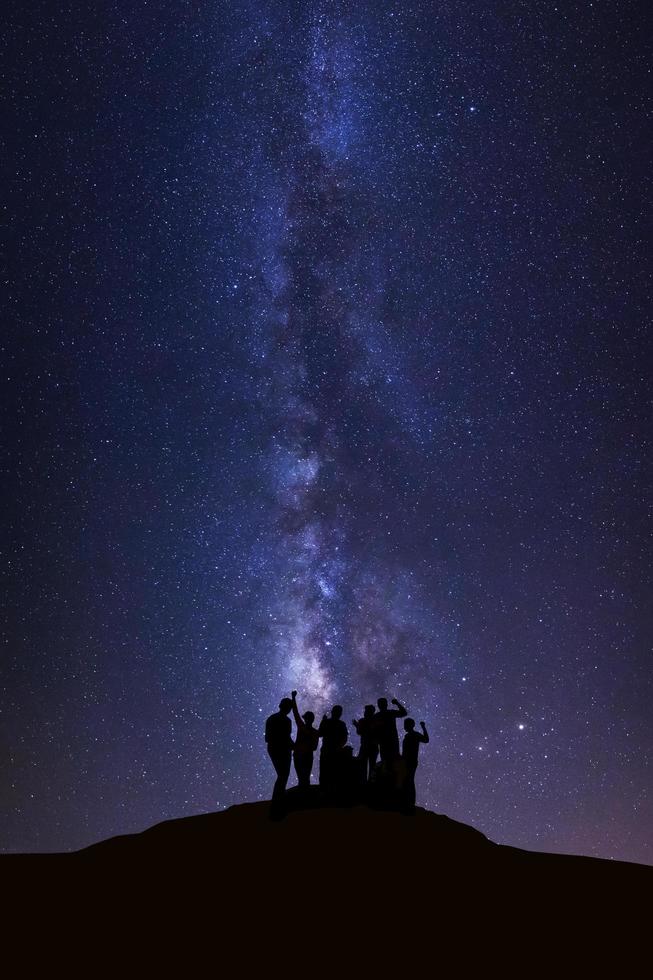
pixel 339 616
pixel 324 370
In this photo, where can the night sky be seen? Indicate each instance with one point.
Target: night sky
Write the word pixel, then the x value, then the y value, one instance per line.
pixel 324 366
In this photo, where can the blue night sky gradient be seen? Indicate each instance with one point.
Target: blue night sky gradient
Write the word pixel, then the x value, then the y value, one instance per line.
pixel 324 367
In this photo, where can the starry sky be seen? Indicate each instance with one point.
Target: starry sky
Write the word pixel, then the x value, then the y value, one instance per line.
pixel 324 367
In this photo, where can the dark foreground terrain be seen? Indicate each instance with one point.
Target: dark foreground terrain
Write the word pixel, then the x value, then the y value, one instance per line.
pixel 324 890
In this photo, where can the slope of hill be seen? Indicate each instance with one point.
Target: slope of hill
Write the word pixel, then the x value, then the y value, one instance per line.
pixel 327 881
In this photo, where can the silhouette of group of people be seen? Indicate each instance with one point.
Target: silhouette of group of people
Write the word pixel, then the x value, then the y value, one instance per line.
pixel 379 764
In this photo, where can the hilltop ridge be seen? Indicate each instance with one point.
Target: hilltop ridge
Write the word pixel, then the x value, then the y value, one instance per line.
pixel 328 876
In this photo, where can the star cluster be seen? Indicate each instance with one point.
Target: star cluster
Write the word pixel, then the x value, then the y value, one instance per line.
pixel 324 369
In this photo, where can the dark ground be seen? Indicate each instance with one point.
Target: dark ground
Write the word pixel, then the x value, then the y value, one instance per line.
pixel 328 887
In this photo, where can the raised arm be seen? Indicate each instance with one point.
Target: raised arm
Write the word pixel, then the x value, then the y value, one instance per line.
pixel 299 721
pixel 424 737
pixel 401 712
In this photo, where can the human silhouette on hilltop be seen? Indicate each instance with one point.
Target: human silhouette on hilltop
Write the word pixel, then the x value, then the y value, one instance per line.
pixel 333 733
pixel 369 748
pixel 385 722
pixel 410 753
pixel 278 736
pixel 306 743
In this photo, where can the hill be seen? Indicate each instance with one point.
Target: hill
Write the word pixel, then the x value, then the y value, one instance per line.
pixel 329 881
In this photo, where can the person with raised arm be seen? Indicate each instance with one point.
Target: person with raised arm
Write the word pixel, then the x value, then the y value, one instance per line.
pixel 385 724
pixel 410 753
pixel 306 742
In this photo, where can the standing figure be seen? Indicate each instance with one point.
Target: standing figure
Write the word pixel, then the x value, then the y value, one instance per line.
pixel 333 732
pixel 410 753
pixel 385 723
pixel 369 750
pixel 278 732
pixel 305 744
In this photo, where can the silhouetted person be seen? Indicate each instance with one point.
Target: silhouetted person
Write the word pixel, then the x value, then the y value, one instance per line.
pixel 278 736
pixel 306 743
pixel 333 732
pixel 385 724
pixel 369 749
pixel 410 752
